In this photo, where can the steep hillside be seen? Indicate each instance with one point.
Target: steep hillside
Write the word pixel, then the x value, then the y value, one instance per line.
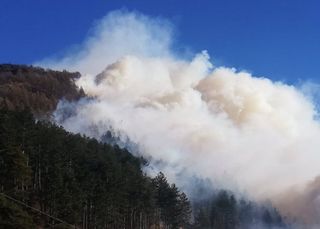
pixel 52 178
pixel 49 176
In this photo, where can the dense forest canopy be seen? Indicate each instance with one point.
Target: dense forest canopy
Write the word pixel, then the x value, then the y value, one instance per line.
pixel 79 181
pixel 52 178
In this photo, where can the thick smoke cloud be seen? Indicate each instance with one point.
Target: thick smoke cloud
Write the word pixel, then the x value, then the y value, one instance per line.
pixel 242 132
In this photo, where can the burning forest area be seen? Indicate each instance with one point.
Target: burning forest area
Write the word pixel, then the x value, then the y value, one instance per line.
pixel 123 131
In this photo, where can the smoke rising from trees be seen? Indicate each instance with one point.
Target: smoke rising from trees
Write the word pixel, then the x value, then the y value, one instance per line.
pixel 189 117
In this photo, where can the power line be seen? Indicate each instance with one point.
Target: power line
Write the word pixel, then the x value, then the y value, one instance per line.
pixel 37 210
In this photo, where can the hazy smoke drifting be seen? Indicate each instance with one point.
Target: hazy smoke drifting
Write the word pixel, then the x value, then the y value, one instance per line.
pixel 240 131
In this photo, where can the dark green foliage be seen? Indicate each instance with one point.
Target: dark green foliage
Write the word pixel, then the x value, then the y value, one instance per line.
pixel 12 216
pixel 35 88
pixel 81 181
pixel 174 207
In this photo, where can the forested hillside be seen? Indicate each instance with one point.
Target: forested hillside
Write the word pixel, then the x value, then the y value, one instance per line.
pixel 35 88
pixel 78 181
pixel 52 178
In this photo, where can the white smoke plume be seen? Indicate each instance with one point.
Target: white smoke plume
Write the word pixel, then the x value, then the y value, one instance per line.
pixel 118 34
pixel 240 131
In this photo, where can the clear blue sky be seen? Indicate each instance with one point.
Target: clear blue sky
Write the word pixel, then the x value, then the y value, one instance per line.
pixel 279 39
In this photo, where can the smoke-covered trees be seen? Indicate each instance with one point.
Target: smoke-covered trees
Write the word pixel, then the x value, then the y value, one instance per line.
pixel 87 184
pixel 224 211
pixel 79 180
pixel 93 185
